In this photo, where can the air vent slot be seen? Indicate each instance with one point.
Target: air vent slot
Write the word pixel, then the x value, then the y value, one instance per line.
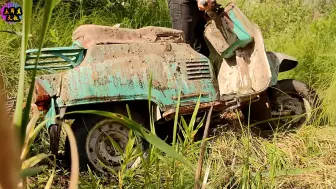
pixel 198 70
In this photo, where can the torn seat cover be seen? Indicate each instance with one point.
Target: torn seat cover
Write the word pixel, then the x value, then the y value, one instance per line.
pixel 89 35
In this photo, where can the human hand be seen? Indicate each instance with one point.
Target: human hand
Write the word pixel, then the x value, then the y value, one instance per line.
pixel 205 5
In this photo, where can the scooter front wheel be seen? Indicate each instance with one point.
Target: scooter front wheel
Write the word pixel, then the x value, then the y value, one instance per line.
pixel 294 104
pixel 93 135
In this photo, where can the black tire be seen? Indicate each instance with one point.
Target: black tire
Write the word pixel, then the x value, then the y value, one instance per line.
pixel 297 94
pixel 81 127
pixel 54 133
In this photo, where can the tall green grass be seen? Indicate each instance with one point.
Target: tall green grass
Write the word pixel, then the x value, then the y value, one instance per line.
pixel 306 32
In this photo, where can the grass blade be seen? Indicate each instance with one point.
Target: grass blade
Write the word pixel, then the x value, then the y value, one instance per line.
pixel 50 180
pixel 32 123
pixel 151 119
pixel 206 176
pixel 33 171
pixel 292 172
pixel 30 132
pixel 32 137
pixel 27 12
pixel 194 115
pixel 108 168
pixel 48 8
pixel 202 152
pixel 128 111
pixel 51 177
pixel 114 144
pixel 176 117
pixel 34 160
pixel 74 177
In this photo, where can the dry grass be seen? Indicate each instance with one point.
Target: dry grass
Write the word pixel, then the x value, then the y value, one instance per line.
pixel 305 159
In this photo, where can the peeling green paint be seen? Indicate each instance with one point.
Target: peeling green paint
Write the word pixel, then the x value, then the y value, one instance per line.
pixel 105 76
pixel 57 58
pixel 243 36
pixel 46 86
pixel 115 79
pixel 51 114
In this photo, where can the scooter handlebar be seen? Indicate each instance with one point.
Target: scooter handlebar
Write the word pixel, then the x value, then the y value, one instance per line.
pixel 205 2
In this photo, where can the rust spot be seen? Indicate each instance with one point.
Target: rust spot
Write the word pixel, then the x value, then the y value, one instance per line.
pixel 178 69
pixel 190 96
pixel 41 97
pixel 168 47
pixel 185 110
pixel 217 106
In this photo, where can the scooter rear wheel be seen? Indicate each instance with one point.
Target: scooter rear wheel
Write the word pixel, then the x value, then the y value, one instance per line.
pixel 94 146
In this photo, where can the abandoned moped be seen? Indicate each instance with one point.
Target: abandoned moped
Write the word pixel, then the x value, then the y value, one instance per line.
pixel 109 67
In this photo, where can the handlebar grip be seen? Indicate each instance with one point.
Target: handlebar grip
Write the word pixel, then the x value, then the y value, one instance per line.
pixel 205 3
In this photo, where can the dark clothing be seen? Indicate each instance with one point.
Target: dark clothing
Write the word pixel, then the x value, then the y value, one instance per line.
pixel 185 16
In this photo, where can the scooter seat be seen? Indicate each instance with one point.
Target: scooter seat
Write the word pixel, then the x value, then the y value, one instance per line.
pixel 88 35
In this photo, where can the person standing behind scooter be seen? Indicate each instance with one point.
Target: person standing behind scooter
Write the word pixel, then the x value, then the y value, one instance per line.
pixel 188 16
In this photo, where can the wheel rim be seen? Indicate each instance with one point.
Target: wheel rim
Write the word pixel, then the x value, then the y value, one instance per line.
pixel 99 148
pixel 292 110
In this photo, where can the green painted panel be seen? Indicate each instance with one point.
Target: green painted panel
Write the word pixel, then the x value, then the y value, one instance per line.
pixel 120 76
pixel 244 37
pixel 51 114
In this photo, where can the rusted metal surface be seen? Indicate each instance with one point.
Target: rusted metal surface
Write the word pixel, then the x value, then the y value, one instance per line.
pixel 184 110
pixel 89 35
pixel 41 98
pixel 118 72
pixel 190 96
pixel 248 72
pixel 215 37
pixel 217 105
pixel 51 83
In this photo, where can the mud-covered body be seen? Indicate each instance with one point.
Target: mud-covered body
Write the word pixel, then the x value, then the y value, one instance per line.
pixel 109 64
pixel 121 72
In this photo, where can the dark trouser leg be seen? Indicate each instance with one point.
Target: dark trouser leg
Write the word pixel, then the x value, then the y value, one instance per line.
pixel 199 43
pixel 185 16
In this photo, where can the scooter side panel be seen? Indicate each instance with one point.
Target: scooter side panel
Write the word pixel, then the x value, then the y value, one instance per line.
pixel 121 72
